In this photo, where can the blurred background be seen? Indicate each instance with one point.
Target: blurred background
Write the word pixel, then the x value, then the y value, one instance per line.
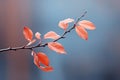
pixel 95 59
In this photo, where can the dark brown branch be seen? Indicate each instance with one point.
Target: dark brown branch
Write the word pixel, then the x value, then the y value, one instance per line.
pixel 45 44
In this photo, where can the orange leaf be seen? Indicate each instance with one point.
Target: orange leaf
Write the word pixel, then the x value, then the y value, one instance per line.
pixel 28 34
pixel 36 60
pixel 46 68
pixel 64 23
pixel 37 35
pixel 81 32
pixel 43 58
pixel 87 24
pixel 57 47
pixel 51 35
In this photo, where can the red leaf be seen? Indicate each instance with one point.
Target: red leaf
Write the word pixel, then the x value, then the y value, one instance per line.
pixel 37 35
pixel 64 23
pixel 57 47
pixel 43 58
pixel 51 35
pixel 81 32
pixel 87 24
pixel 46 68
pixel 28 34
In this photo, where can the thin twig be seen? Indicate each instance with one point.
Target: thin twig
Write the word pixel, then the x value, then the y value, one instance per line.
pixel 45 44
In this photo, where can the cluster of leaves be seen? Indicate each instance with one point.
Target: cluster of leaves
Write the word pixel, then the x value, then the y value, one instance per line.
pixel 41 60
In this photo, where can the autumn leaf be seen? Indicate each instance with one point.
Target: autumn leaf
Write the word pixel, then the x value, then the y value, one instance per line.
pixel 37 35
pixel 87 24
pixel 81 32
pixel 28 34
pixel 64 23
pixel 51 35
pixel 57 47
pixel 36 60
pixel 43 58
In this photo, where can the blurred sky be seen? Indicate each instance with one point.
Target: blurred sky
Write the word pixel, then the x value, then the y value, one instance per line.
pixel 95 59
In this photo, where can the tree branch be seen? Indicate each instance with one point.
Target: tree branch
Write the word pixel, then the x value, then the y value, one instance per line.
pixel 45 44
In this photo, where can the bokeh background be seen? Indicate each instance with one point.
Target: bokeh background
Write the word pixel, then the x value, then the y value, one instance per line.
pixel 95 59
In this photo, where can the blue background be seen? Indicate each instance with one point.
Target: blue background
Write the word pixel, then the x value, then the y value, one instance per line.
pixel 95 59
